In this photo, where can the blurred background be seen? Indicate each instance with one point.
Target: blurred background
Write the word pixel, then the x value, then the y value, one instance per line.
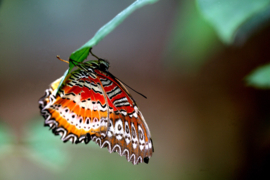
pixel 206 123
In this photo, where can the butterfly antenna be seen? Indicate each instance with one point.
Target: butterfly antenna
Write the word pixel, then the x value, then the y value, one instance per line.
pixel 133 89
pixel 58 57
pixel 129 86
pixel 93 54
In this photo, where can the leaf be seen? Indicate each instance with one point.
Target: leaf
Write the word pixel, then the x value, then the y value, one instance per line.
pixel 260 77
pixel 81 54
pixel 229 16
pixel 43 147
pixel 192 40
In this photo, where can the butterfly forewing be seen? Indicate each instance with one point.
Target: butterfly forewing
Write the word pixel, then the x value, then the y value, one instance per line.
pixel 94 105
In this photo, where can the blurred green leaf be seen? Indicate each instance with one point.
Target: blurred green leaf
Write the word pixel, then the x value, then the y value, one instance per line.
pixel 260 77
pixel 81 54
pixel 43 147
pixel 229 16
pixel 192 40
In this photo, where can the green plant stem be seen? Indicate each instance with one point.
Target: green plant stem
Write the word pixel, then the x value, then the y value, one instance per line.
pixel 81 54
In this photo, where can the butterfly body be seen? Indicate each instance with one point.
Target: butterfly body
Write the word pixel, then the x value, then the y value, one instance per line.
pixel 94 105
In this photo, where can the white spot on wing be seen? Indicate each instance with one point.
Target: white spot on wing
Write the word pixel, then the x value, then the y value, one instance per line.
pixel 127 133
pixel 104 121
pixel 150 145
pixel 110 129
pixel 141 138
pixel 135 113
pixel 119 130
pixel 134 136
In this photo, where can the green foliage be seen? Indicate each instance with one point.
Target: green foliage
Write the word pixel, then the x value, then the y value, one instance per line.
pixel 192 40
pixel 260 77
pixel 232 16
pixel 44 147
pixel 81 54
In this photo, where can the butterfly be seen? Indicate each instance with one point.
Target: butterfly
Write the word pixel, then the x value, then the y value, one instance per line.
pixel 92 104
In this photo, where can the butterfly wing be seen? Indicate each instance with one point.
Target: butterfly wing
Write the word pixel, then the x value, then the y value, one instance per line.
pixel 79 111
pixel 97 106
pixel 128 133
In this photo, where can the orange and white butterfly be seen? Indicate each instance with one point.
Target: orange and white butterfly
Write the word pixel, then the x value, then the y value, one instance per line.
pixel 92 104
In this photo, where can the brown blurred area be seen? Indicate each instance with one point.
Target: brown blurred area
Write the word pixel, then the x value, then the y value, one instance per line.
pixel 205 125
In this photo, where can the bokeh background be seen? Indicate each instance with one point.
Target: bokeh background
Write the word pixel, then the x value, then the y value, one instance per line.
pixel 205 122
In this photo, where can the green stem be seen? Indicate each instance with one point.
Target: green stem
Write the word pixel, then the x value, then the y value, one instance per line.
pixel 81 54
